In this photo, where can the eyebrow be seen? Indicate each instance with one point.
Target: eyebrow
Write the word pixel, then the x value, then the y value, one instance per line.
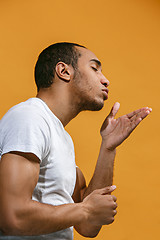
pixel 97 61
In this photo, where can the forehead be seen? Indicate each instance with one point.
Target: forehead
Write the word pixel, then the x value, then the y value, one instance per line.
pixel 86 55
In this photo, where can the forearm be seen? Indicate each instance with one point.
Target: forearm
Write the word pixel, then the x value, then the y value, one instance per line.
pixel 103 174
pixel 102 177
pixel 34 218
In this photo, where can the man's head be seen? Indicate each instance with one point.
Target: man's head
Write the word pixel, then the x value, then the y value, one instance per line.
pixel 48 59
pixel 77 72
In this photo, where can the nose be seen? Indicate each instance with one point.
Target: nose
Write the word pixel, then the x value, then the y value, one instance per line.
pixel 104 81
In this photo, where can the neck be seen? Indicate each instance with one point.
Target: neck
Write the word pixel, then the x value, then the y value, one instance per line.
pixel 60 103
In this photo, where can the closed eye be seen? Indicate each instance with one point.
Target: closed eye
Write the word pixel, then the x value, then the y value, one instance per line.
pixel 95 69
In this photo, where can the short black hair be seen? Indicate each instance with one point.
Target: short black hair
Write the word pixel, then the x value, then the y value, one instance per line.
pixel 49 57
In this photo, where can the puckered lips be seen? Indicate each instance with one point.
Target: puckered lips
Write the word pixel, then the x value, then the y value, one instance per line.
pixel 105 93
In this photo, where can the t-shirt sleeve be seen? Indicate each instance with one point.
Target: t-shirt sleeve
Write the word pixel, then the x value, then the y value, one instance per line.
pixel 25 130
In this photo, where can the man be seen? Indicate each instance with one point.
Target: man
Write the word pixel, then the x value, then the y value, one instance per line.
pixel 42 192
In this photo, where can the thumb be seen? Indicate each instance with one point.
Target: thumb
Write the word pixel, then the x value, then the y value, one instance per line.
pixel 108 190
pixel 114 110
pixel 112 114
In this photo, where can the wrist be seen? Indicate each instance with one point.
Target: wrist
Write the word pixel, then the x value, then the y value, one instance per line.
pixel 83 212
pixel 107 148
pixel 85 227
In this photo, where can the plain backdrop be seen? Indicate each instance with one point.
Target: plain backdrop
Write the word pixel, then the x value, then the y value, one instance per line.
pixel 125 36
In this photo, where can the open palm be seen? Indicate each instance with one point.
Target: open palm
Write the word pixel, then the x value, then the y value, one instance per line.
pixel 115 131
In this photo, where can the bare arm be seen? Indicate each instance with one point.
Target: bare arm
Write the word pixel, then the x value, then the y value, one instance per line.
pixel 108 211
pixel 113 132
pixel 20 215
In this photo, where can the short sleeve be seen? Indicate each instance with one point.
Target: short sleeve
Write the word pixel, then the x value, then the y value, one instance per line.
pixel 25 130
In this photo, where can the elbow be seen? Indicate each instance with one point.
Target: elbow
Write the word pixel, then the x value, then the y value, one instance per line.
pixel 88 231
pixel 9 224
pixel 90 235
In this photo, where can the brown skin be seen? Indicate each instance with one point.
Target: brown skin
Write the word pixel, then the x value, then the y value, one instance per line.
pixel 94 205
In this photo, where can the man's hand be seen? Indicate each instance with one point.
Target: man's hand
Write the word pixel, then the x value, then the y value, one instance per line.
pixel 115 131
pixel 101 206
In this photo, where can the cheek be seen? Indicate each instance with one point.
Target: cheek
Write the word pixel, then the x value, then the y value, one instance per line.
pixel 91 81
pixel 88 82
pixel 94 85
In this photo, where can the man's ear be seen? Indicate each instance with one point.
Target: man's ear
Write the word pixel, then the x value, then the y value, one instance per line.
pixel 64 71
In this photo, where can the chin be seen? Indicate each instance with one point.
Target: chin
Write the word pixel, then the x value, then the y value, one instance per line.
pixel 97 107
pixel 94 106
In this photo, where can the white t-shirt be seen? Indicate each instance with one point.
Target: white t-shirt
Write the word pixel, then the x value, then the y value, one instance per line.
pixel 31 127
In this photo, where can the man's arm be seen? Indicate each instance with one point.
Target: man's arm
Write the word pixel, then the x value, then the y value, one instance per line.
pixel 91 229
pixel 20 215
pixel 113 132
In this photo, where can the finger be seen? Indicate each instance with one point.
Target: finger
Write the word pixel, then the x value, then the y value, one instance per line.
pixel 115 205
pixel 114 212
pixel 135 120
pixel 130 115
pixel 141 114
pixel 114 198
pixel 108 190
pixel 114 109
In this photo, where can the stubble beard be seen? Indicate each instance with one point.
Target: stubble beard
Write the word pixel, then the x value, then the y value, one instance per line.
pixel 89 105
pixel 86 103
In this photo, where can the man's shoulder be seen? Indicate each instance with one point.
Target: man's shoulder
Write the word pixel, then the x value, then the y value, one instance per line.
pixel 30 105
pixel 28 109
pixel 30 112
pixel 24 129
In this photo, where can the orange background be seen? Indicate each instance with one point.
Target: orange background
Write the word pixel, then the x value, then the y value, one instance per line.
pixel 125 36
